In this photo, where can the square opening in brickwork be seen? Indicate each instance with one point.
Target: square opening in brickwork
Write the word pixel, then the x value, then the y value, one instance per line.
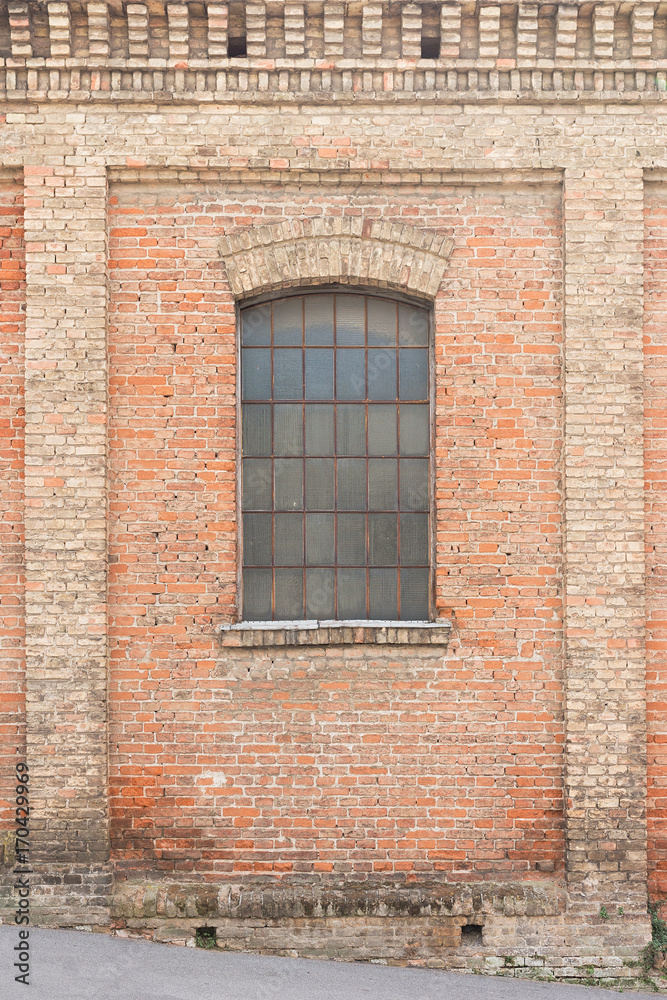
pixel 430 48
pixel 237 43
pixel 205 937
pixel 471 935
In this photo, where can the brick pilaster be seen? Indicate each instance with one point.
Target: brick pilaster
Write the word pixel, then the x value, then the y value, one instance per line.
pixel 65 530
pixel 604 558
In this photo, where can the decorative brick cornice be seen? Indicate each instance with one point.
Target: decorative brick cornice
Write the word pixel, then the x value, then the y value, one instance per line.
pixel 346 250
pixel 179 52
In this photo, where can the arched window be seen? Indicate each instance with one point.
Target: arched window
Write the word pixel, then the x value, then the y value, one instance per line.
pixel 335 447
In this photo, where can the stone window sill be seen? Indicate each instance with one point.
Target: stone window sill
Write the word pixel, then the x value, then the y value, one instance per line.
pixel 336 633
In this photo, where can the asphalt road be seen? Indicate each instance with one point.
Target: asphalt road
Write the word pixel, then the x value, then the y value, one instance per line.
pixel 74 965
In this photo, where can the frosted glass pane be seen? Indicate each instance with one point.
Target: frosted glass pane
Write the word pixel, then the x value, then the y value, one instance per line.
pixel 351 593
pixel 415 493
pixel 413 373
pixel 414 595
pixel 256 326
pixel 382 540
pixel 288 474
pixel 256 423
pixel 351 374
pixel 381 374
pixel 320 593
pixel 287 374
pixel 382 484
pixel 288 429
pixel 383 593
pixel 350 320
pixel 257 540
pixel 382 431
pixel 319 373
pixel 288 540
pixel 412 326
pixel 414 540
pixel 257 484
pixel 414 429
pixel 287 321
pixel 319 429
pixel 256 372
pixel 319 484
pixel 319 319
pixel 381 322
pixel 351 429
pixel 257 594
pixel 351 539
pixel 351 484
pixel 289 594
pixel 320 546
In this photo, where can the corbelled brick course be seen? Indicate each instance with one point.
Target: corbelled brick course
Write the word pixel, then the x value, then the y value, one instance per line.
pixel 367 800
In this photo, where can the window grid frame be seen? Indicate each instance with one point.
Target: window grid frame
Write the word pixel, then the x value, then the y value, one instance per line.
pixel 271 299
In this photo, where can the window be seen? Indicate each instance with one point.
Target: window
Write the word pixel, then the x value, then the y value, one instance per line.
pixel 335 445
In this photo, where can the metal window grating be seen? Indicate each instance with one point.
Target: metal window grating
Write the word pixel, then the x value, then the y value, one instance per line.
pixel 335 444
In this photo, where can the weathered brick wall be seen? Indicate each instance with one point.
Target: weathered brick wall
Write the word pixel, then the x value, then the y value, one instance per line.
pixel 347 761
pixel 655 415
pixel 527 147
pixel 12 636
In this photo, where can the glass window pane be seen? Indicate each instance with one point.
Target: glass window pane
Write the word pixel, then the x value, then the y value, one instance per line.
pixel 288 475
pixel 287 321
pixel 287 374
pixel 320 546
pixel 350 320
pixel 382 484
pixel 414 595
pixel 256 370
pixel 383 594
pixel 257 539
pixel 381 322
pixel 257 484
pixel 351 374
pixel 413 382
pixel 319 319
pixel 320 593
pixel 351 594
pixel 381 374
pixel 319 429
pixel 256 423
pixel 289 594
pixel 319 373
pixel 351 539
pixel 319 484
pixel 382 540
pixel 414 429
pixel 288 429
pixel 415 492
pixel 351 483
pixel 412 326
pixel 382 432
pixel 288 540
pixel 257 594
pixel 256 326
pixel 351 429
pixel 414 540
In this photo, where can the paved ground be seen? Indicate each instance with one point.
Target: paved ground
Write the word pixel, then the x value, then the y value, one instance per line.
pixel 72 965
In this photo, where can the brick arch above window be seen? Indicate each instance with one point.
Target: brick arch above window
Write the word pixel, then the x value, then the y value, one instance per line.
pixel 346 251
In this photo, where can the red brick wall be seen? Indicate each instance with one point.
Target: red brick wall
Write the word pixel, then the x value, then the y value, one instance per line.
pixel 345 760
pixel 655 370
pixel 12 333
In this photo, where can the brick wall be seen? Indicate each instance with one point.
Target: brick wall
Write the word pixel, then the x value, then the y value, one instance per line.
pixel 339 761
pixel 655 350
pixel 12 636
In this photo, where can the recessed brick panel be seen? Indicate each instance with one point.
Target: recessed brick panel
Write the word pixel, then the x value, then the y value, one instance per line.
pixel 341 760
